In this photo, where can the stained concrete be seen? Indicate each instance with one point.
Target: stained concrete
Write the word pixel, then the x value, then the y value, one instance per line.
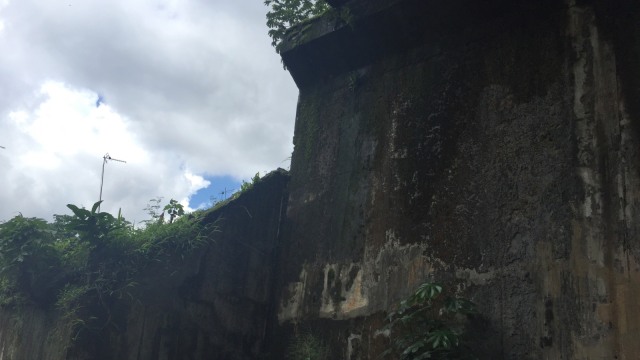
pixel 489 146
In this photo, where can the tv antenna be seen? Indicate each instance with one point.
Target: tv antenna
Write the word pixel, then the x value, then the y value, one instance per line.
pixel 225 192
pixel 105 158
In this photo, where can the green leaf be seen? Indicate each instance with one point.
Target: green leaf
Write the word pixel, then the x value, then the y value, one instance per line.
pixel 287 13
pixel 95 206
pixel 74 208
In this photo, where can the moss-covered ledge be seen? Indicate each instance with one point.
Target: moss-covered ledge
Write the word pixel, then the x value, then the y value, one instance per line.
pixel 357 32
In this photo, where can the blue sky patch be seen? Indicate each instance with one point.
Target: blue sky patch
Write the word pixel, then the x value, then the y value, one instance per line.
pixel 221 188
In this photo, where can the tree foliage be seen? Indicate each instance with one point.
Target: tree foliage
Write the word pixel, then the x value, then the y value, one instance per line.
pixel 89 259
pixel 174 209
pixel 94 227
pixel 286 13
pixel 428 325
pixel 27 256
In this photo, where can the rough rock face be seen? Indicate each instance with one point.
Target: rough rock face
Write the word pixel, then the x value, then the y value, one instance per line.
pixel 488 145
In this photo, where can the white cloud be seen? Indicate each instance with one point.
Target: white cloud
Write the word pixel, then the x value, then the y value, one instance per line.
pixel 3 4
pixel 59 150
pixel 188 89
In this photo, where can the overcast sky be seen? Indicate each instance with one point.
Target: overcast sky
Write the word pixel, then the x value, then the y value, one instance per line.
pixel 189 92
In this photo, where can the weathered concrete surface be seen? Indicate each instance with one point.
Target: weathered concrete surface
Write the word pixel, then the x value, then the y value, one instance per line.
pixel 31 333
pixel 489 145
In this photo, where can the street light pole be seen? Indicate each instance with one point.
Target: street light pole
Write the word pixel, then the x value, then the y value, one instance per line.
pixel 104 161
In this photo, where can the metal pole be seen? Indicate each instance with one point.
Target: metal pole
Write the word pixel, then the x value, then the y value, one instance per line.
pixel 104 161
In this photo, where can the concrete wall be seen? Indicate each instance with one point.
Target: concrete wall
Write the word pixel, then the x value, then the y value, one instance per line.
pixel 32 333
pixel 491 146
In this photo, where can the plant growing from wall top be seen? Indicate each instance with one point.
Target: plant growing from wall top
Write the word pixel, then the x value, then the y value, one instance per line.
pixel 287 13
pixel 174 209
pixel 245 186
pixel 93 226
pixel 428 325
pixel 85 263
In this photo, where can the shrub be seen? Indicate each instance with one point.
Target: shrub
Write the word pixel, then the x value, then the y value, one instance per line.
pixel 428 325
pixel 28 258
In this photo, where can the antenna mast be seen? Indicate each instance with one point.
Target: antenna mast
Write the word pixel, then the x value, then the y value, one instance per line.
pixel 105 158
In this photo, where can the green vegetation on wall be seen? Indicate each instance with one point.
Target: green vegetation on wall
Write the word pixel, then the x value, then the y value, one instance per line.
pixel 82 263
pixel 28 252
pixel 246 186
pixel 174 209
pixel 429 325
pixel 284 14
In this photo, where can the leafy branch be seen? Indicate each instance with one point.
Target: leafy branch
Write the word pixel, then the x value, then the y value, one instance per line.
pixel 428 325
pixel 174 209
pixel 287 13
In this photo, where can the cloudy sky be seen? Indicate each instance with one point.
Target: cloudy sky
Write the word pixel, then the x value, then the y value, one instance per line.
pixel 189 93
